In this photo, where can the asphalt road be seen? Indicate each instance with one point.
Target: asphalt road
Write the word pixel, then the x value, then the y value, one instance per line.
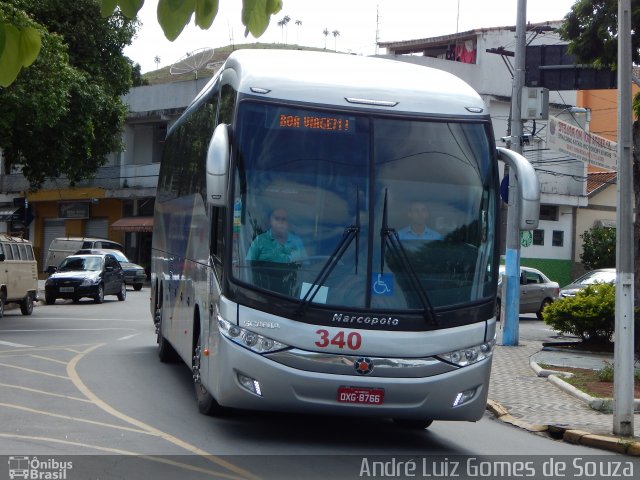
pixel 84 379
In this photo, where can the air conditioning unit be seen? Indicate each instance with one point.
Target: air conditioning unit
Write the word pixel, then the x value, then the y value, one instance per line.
pixel 534 103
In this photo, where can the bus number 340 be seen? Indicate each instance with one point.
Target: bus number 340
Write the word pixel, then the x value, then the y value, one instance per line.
pixel 353 340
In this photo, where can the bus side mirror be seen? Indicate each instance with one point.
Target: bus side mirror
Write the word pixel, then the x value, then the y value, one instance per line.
pixel 218 166
pixel 528 188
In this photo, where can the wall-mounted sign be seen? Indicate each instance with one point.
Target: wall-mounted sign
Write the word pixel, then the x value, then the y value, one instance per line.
pixel 77 210
pixel 582 145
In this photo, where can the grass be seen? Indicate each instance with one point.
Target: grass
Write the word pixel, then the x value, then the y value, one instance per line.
pixel 596 383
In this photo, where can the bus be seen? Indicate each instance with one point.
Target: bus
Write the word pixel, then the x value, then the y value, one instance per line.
pixel 281 272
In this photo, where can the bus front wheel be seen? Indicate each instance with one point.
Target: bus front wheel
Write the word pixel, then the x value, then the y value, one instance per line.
pixel 207 405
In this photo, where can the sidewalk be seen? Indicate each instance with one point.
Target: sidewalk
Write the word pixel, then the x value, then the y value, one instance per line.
pixel 517 395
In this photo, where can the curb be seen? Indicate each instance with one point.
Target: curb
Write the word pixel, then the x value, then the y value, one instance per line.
pixel 604 405
pixel 611 443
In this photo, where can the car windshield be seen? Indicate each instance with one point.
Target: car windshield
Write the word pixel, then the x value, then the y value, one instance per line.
pixel 86 264
pixel 362 211
pixel 597 276
pixel 120 256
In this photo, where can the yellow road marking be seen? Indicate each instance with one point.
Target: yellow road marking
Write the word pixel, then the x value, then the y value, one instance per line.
pixel 122 452
pixel 75 419
pixel 75 378
pixel 42 357
pixel 42 392
pixel 34 371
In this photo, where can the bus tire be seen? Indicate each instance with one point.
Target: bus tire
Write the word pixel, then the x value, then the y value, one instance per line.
pixel 413 423
pixel 207 405
pixel 3 301
pixel 166 352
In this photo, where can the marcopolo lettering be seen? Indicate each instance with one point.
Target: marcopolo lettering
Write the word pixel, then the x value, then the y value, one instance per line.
pixel 365 320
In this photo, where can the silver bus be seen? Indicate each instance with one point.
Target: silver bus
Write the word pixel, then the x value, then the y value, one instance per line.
pixel 326 239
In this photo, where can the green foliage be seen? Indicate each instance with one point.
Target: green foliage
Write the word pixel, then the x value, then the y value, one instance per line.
pixel 63 115
pixel 19 46
pixel 599 248
pixel 592 28
pixel 589 315
pixel 605 374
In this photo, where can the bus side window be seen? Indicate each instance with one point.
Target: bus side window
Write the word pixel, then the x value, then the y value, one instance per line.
pixel 23 252
pixel 7 251
pixel 15 254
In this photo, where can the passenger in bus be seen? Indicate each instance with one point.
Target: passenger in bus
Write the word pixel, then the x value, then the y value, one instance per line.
pixel 277 244
pixel 417 229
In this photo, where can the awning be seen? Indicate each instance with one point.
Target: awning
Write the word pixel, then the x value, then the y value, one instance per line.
pixel 134 224
pixel 6 214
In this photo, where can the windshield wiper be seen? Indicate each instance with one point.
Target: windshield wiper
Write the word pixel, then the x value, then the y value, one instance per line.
pixel 391 235
pixel 350 233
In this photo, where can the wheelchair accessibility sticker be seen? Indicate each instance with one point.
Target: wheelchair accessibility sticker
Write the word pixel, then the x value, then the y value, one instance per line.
pixel 382 284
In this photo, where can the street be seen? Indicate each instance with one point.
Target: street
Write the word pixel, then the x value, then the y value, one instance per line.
pixel 84 379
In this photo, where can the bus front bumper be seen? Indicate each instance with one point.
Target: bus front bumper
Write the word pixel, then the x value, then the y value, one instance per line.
pixel 287 389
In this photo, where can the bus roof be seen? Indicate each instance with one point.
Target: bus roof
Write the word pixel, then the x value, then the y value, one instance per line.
pixel 350 81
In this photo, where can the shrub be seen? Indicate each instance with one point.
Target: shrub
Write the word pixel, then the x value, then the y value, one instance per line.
pixel 605 374
pixel 589 315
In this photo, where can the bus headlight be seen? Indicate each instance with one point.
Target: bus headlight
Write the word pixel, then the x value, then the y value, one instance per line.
pixel 469 356
pixel 248 339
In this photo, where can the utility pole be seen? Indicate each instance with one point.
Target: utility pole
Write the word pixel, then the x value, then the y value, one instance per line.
pixel 511 285
pixel 623 350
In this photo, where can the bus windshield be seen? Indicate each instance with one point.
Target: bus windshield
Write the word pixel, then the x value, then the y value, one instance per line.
pixel 362 211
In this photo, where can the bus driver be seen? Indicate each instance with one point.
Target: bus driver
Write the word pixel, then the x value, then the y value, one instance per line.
pixel 277 244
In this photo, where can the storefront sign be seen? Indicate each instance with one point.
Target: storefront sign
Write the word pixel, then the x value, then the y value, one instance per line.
pixel 76 210
pixel 582 145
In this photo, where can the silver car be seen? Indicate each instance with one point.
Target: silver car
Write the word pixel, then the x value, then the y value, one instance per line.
pixel 602 275
pixel 536 291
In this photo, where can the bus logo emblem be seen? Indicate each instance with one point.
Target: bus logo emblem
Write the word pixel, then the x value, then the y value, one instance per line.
pixel 363 365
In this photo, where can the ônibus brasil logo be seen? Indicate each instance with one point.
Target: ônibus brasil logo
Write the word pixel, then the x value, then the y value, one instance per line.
pixel 36 469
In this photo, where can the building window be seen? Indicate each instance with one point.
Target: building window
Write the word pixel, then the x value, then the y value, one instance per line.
pixel 558 238
pixel 549 212
pixel 538 237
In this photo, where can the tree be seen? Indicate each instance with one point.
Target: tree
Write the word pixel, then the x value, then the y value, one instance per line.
pixel 325 32
pixel 591 28
pixel 63 115
pixel 20 44
pixel 335 34
pixel 599 248
pixel 298 23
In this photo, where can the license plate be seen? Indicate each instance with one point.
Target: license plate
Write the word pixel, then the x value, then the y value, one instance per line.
pixel 66 289
pixel 364 395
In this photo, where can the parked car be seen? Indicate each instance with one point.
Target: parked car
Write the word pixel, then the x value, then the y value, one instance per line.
pixel 91 276
pixel 61 248
pixel 602 275
pixel 536 291
pixel 133 273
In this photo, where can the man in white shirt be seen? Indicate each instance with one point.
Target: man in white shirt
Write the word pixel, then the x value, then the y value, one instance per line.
pixel 417 229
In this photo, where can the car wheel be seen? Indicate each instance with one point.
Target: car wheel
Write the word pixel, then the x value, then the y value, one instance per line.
pixel 544 304
pixel 3 300
pixel 26 305
pixel 50 299
pixel 137 287
pixel 413 424
pixel 207 405
pixel 123 292
pixel 99 298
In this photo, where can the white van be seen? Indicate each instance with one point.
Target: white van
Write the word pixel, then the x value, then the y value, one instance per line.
pixel 18 273
pixel 61 248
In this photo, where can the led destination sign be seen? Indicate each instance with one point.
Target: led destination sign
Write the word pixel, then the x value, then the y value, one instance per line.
pixel 315 122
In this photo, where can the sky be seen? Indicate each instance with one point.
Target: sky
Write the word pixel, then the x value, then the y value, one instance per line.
pixel 359 24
